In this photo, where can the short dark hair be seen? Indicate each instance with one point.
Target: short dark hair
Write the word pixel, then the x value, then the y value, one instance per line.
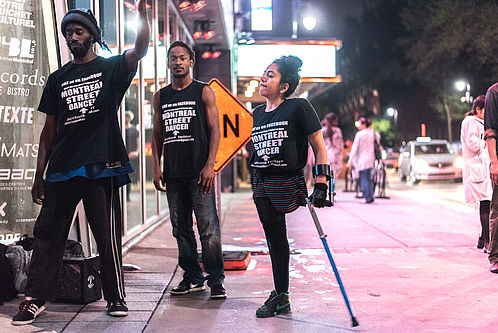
pixel 478 103
pixel 289 68
pixel 331 117
pixel 365 121
pixel 191 52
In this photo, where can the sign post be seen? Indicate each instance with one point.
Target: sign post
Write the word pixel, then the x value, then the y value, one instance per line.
pixel 235 128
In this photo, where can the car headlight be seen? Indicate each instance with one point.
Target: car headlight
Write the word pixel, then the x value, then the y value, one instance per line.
pixel 421 164
pixel 458 162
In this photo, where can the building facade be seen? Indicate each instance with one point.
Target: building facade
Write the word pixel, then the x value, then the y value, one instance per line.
pixel 42 49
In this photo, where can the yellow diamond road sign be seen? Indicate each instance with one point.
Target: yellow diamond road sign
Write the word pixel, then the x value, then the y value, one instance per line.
pixel 235 124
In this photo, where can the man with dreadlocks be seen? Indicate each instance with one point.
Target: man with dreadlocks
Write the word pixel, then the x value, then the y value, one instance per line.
pixel 82 144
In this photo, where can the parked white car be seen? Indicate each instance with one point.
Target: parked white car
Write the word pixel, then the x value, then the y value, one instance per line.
pixel 429 159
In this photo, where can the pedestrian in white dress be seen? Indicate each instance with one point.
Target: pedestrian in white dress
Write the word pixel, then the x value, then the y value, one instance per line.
pixel 476 180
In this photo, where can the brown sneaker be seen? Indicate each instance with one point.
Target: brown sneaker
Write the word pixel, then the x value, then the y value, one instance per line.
pixel 494 268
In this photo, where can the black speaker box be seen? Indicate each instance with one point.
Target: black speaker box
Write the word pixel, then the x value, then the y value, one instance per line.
pixel 79 281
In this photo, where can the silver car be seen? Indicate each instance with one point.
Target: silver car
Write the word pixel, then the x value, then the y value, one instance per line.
pixel 429 159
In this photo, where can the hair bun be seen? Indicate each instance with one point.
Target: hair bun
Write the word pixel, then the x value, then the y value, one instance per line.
pixel 289 68
pixel 293 62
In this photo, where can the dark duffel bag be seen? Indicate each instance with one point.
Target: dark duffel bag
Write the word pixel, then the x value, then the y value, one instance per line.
pixel 79 281
pixel 7 287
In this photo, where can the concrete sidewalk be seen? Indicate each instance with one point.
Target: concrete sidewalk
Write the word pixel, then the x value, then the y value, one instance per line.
pixel 407 266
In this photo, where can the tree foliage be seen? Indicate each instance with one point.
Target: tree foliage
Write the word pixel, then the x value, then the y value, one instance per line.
pixel 412 52
pixel 448 40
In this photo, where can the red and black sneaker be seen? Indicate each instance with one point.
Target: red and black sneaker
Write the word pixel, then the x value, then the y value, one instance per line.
pixel 28 310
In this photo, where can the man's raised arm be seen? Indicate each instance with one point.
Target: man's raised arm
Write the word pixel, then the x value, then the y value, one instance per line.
pixel 143 35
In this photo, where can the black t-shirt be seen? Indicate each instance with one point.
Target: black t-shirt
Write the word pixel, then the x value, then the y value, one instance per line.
pixel 280 136
pixel 85 98
pixel 491 106
pixel 185 130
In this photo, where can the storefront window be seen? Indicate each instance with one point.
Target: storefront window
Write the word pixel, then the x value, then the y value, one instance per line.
pixel 151 199
pixel 133 193
pixel 108 22
pixel 173 27
pixel 73 4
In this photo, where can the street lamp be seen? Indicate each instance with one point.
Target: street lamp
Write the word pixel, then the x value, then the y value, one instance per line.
pixel 392 112
pixel 308 21
pixel 462 85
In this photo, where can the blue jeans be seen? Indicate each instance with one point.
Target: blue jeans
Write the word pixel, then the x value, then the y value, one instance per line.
pixel 366 184
pixel 185 197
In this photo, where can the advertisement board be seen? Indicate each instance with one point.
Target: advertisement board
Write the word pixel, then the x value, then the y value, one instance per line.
pixel 319 59
pixel 24 69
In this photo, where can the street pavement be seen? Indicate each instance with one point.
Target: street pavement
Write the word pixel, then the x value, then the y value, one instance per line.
pixel 408 264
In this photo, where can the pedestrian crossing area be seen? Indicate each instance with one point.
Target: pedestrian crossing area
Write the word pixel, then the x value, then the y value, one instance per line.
pixel 389 250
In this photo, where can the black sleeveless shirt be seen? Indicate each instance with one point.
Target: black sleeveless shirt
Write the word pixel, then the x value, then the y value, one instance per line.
pixel 185 130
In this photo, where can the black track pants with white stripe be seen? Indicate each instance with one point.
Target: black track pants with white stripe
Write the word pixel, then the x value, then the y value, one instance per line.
pixel 102 207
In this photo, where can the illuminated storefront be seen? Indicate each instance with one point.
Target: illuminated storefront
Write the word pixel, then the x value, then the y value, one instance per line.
pixel 39 52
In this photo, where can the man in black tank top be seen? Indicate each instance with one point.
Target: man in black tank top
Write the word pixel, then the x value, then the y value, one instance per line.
pixel 186 130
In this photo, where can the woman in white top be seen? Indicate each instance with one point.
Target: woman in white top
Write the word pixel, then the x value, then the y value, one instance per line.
pixel 362 156
pixel 334 143
pixel 476 180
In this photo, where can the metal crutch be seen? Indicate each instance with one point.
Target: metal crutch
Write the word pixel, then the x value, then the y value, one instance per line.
pixel 326 246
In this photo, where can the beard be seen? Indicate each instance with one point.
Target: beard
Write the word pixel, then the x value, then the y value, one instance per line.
pixel 180 75
pixel 81 49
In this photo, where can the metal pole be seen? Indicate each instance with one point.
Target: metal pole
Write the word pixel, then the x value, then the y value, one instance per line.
pixel 217 193
pixel 332 263
pixel 295 22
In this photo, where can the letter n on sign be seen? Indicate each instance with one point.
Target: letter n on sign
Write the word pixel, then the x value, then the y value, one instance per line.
pixel 235 128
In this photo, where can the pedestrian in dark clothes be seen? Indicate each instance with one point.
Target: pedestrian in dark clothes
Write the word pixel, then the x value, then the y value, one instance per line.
pixel 87 160
pixel 491 134
pixel 187 132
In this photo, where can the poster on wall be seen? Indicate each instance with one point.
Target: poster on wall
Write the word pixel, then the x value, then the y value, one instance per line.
pixel 24 69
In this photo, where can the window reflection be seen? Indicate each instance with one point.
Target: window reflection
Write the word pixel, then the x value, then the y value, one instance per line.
pixel 132 105
pixel 108 22
pixel 132 138
pixel 73 4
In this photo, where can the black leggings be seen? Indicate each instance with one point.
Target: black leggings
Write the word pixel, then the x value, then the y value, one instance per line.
pixel 484 208
pixel 276 236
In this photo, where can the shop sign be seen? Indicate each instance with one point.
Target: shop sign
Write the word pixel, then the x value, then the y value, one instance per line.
pixel 24 70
